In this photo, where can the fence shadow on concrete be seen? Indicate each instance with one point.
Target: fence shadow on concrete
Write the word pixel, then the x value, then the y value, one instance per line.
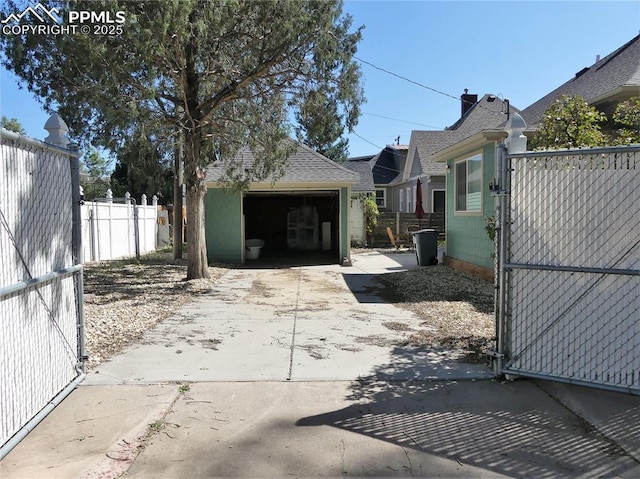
pixel 514 429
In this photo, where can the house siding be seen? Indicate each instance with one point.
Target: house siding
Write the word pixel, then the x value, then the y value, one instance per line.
pixel 357 221
pixel 223 225
pixel 467 239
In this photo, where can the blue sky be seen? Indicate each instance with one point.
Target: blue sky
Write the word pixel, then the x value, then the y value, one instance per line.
pixel 519 50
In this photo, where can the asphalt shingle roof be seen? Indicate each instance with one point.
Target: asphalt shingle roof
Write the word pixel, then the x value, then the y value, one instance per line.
pixel 363 169
pixel 385 168
pixel 483 115
pixel 304 166
pixel 619 68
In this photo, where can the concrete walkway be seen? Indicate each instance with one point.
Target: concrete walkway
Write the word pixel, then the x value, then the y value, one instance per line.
pixel 290 373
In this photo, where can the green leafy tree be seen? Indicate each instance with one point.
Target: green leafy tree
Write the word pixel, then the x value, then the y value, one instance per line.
pixel 94 177
pixel 320 126
pixel 143 166
pixel 569 123
pixel 626 122
pixel 12 124
pixel 220 73
pixel 371 214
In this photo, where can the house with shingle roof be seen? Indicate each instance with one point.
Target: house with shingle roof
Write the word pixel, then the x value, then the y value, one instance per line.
pixel 608 82
pixel 470 162
pixel 476 115
pixel 387 165
pixel 301 215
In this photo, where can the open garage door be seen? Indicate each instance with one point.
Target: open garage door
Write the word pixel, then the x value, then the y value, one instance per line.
pixel 296 227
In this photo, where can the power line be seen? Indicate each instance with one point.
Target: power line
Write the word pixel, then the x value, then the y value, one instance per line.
pixel 403 121
pixel 421 85
pixel 364 139
pixel 406 79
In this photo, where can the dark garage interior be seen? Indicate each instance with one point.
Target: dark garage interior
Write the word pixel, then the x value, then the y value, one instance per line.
pixel 298 228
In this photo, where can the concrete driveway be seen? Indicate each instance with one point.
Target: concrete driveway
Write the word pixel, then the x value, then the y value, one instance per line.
pixel 299 324
pixel 291 373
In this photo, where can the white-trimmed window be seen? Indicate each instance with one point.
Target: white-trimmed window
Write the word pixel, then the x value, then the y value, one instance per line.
pixel 381 198
pixel 401 209
pixel 468 184
pixel 409 203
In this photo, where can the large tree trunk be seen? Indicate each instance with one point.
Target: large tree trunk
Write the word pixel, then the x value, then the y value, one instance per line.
pixel 197 266
pixel 177 199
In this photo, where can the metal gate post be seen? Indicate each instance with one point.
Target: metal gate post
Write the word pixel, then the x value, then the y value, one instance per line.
pixel 76 251
pixel 502 190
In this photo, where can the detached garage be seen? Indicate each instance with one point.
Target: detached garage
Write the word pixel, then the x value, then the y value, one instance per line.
pixel 301 218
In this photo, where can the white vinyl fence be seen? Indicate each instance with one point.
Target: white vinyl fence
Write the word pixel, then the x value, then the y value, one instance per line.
pixel 41 331
pixel 115 228
pixel 570 274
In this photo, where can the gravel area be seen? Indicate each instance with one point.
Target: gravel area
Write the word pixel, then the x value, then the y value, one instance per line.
pixel 456 308
pixel 125 298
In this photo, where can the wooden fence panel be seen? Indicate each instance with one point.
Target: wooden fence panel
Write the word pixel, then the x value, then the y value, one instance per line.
pixel 402 223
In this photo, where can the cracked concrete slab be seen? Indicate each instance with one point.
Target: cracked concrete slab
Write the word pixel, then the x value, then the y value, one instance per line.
pixel 300 324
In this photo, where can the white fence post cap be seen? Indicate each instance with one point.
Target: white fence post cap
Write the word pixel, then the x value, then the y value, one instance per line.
pixel 58 130
pixel 516 141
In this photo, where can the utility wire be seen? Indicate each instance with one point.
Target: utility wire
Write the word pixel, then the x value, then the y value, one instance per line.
pixel 364 139
pixel 421 85
pixel 402 121
pixel 406 79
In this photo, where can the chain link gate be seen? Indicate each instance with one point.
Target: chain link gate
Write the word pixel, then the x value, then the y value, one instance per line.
pixel 42 354
pixel 568 266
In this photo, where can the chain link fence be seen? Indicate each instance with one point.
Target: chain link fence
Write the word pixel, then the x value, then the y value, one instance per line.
pixel 571 267
pixel 40 279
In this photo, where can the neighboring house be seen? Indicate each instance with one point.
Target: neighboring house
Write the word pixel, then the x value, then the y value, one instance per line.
pixel 608 82
pixel 359 192
pixel 305 213
pixel 469 164
pixel 488 112
pixel 470 161
pixel 386 167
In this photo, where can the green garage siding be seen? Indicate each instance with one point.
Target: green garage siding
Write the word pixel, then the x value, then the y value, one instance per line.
pixel 223 225
pixel 467 239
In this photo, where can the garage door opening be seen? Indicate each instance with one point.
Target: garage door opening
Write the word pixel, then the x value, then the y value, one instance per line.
pixel 297 228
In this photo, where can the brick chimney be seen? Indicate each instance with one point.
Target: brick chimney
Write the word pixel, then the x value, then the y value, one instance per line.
pixel 468 100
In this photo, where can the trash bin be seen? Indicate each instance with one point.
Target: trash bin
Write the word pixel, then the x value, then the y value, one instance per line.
pixel 426 242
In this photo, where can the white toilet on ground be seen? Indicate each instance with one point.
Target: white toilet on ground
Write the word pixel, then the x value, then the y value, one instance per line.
pixel 253 247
